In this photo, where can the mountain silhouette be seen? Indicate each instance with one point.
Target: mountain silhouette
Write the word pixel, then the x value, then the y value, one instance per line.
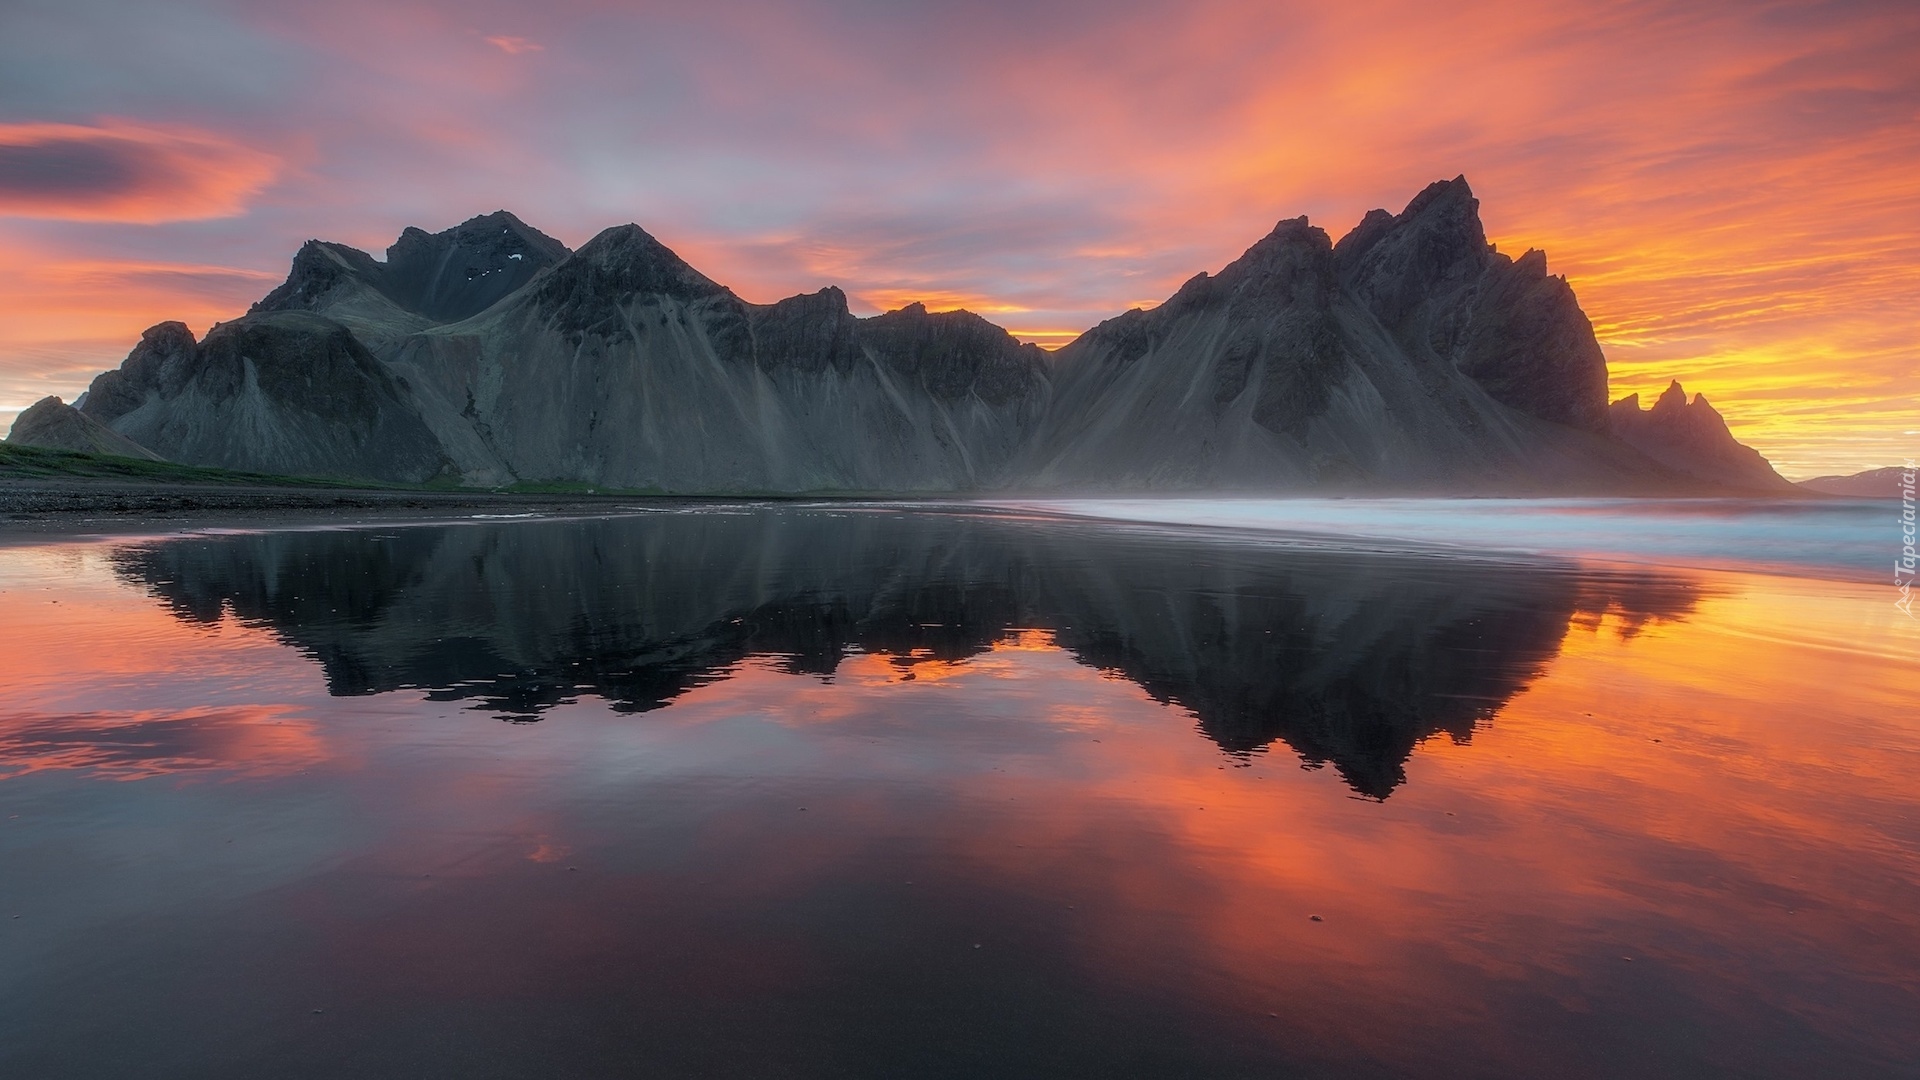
pixel 1409 356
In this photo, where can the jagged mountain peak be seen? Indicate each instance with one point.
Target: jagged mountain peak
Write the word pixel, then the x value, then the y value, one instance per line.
pixel 319 269
pixel 1291 241
pixel 1431 278
pixel 631 254
pixel 587 292
pixel 500 227
pixel 1292 262
pixel 1692 438
pixel 437 277
pixel 1451 199
pixel 1276 265
pixel 164 358
pixel 1672 399
pixel 918 313
pixel 1436 238
pixel 171 334
pixel 460 272
pixel 955 353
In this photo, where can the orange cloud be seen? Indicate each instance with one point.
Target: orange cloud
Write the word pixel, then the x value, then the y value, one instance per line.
pixel 1729 187
pixel 63 319
pixel 118 171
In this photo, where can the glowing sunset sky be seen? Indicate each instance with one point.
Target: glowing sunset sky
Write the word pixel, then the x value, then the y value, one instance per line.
pixel 1732 188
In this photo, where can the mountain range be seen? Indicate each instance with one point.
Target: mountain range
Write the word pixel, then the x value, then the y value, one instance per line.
pixel 1892 482
pixel 1411 356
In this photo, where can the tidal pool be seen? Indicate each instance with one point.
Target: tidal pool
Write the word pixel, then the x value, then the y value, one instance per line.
pixel 791 791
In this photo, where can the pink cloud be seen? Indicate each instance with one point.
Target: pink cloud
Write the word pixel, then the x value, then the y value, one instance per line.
pixel 514 46
pixel 121 171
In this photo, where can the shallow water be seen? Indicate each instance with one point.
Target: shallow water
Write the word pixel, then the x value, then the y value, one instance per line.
pixel 1857 539
pixel 813 792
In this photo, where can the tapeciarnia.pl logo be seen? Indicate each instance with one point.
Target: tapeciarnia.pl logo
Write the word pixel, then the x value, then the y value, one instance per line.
pixel 1903 566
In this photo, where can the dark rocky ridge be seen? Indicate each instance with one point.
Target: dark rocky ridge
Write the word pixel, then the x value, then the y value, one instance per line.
pixel 285 392
pixel 623 366
pixel 442 277
pixel 1432 279
pixel 1410 356
pixel 1693 438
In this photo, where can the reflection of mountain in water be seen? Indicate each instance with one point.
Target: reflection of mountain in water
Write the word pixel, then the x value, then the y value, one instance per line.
pixel 1349 659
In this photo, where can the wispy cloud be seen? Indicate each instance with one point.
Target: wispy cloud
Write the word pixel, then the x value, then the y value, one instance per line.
pixel 514 46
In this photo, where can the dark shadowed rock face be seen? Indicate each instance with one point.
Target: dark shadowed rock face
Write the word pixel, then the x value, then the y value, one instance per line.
pixel 952 354
pixel 436 277
pixel 56 425
pixel 807 334
pixel 1430 277
pixel 162 363
pixel 1410 356
pixel 321 271
pixel 1306 365
pixel 627 368
pixel 588 293
pixel 286 392
pixel 452 275
pixel 1259 338
pixel 1278 298
pixel 1692 438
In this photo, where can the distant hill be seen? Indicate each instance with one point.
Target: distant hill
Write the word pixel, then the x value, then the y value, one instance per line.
pixel 56 425
pixel 1887 483
pixel 1411 356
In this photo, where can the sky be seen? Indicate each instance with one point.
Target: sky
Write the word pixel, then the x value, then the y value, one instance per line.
pixel 1733 188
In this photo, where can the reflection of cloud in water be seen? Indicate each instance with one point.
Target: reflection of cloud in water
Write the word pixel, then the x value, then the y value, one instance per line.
pixel 245 741
pixel 1350 660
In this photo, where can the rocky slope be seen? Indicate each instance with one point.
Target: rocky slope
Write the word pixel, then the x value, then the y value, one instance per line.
pixel 1693 438
pixel 623 366
pixel 284 392
pixel 427 279
pixel 1410 356
pixel 56 425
